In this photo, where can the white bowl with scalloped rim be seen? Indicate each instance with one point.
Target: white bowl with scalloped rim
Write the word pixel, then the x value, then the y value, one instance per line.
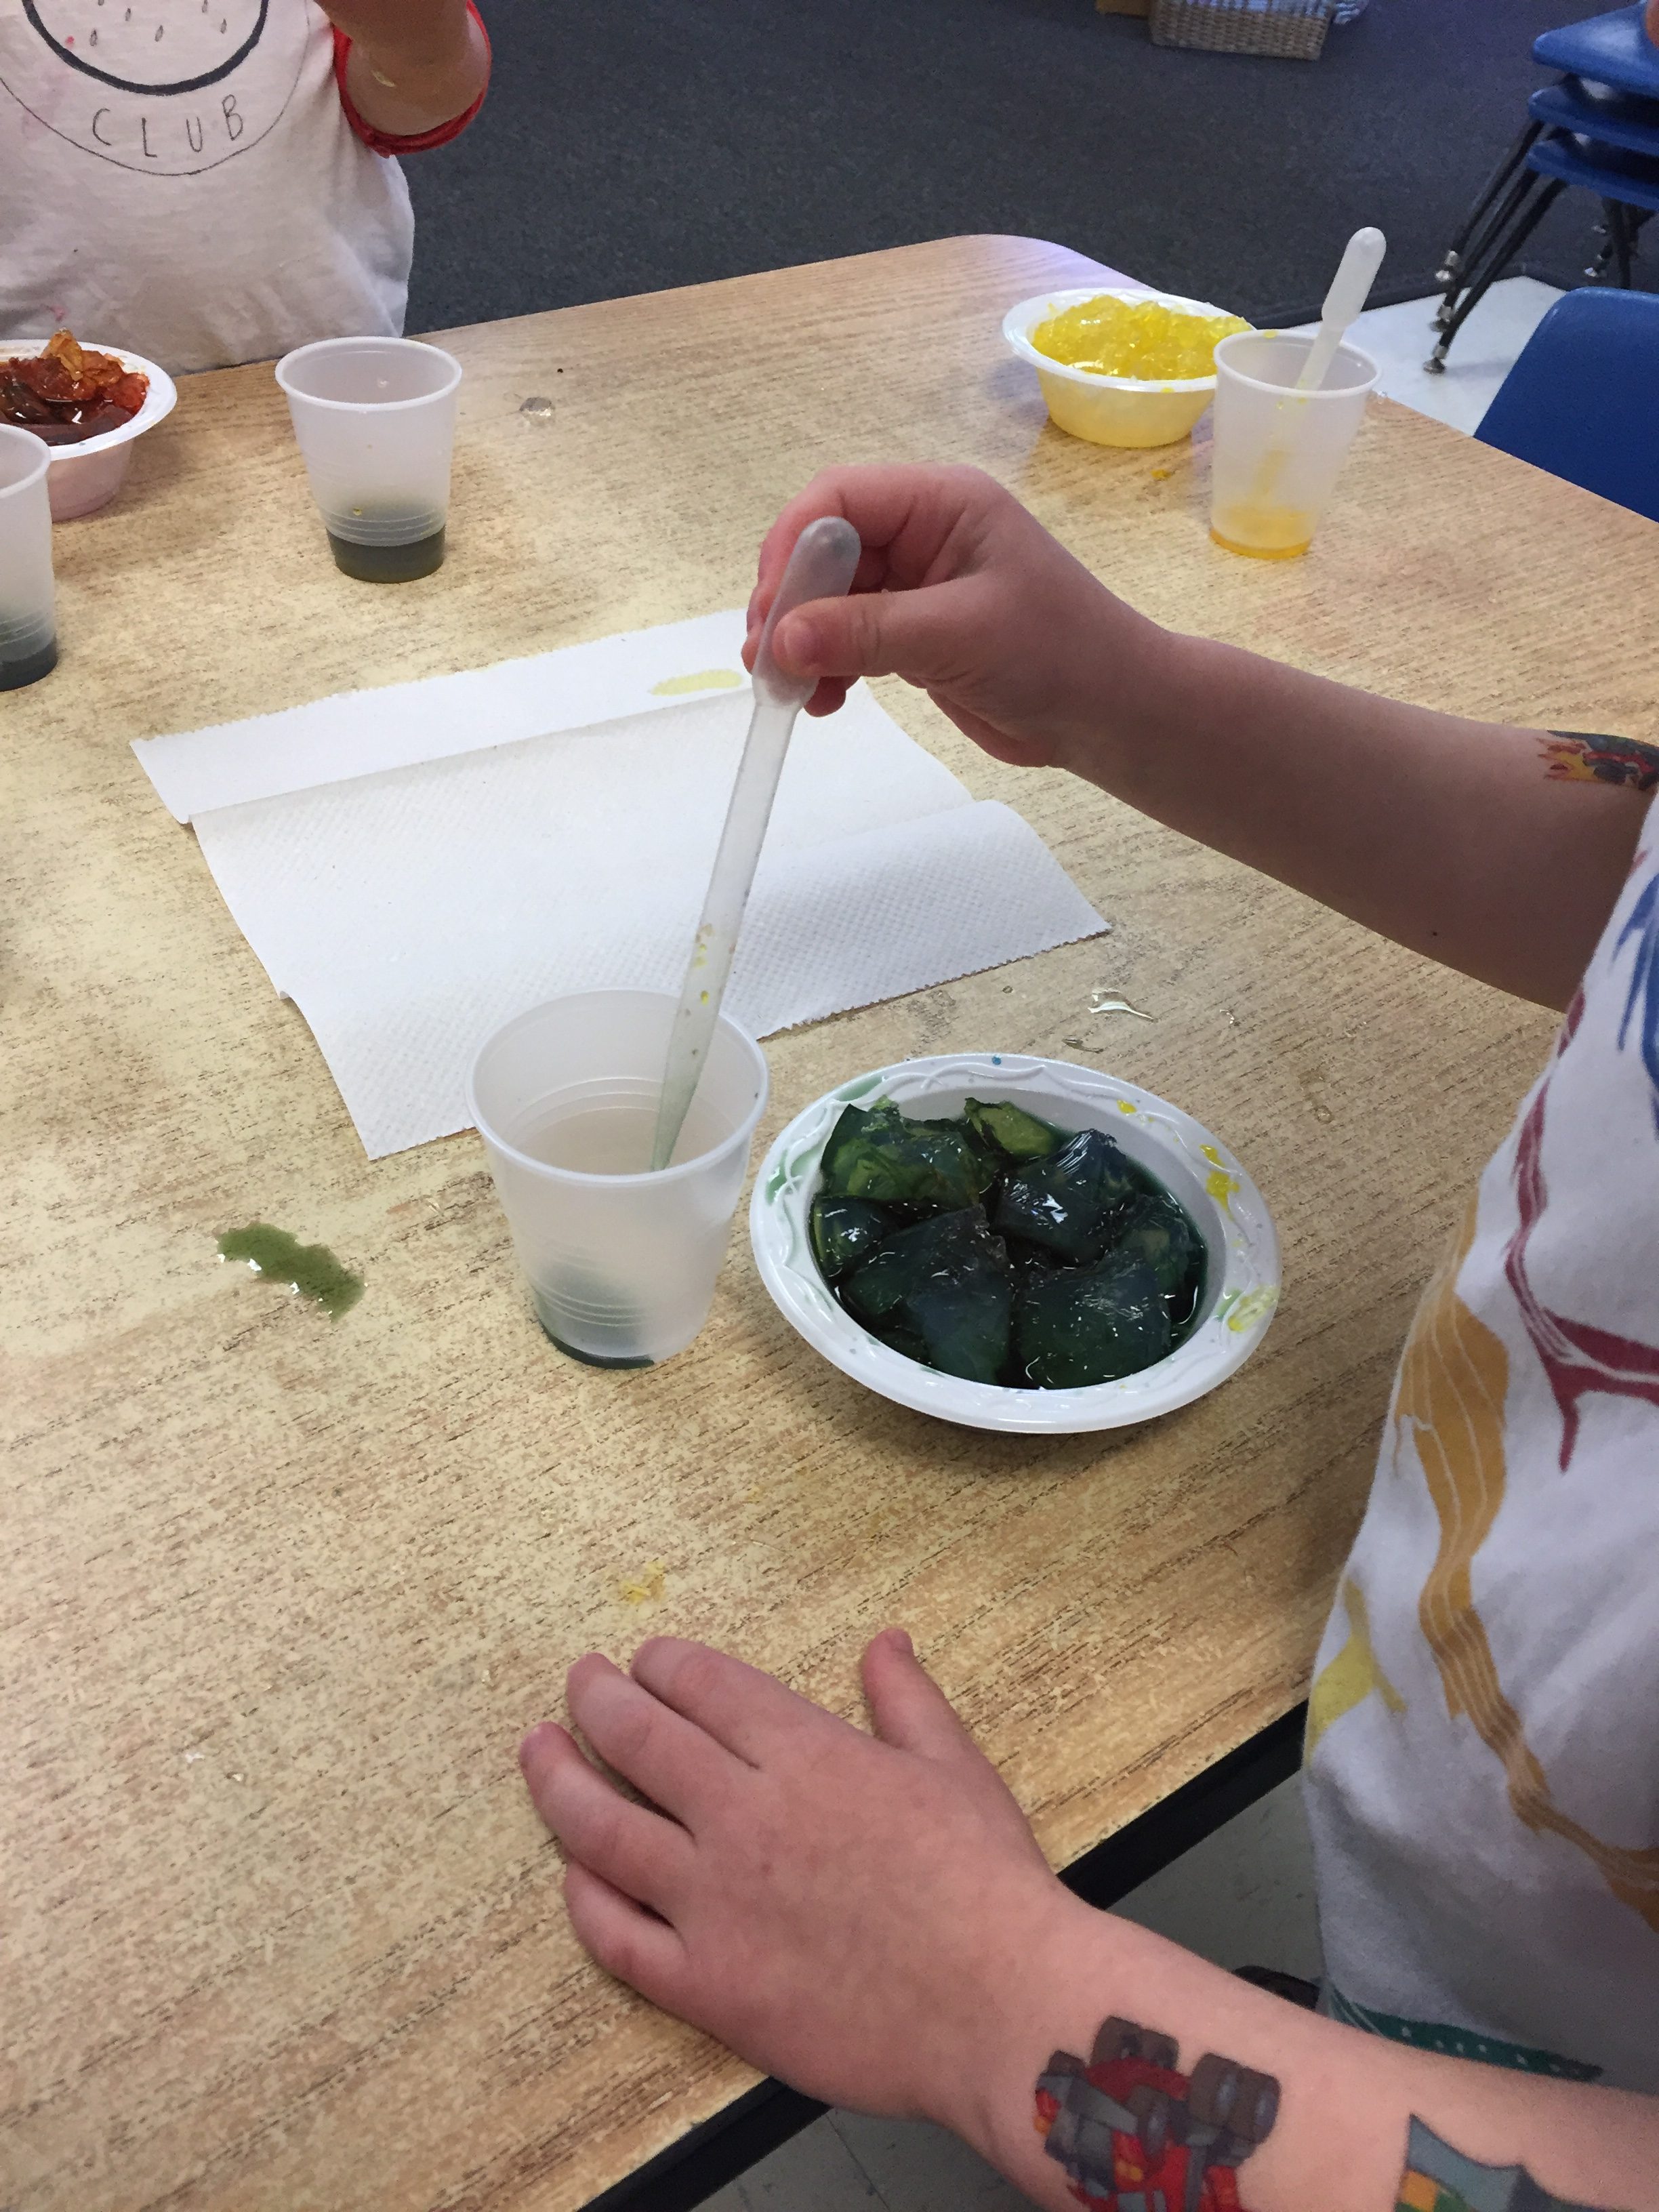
pixel 1241 1287
pixel 85 477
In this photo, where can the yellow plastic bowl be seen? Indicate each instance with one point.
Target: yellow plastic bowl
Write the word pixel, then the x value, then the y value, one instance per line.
pixel 1110 410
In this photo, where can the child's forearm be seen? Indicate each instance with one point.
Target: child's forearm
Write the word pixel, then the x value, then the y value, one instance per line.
pixel 872 1920
pixel 1489 848
pixel 415 66
pixel 1497 849
pixel 1339 2105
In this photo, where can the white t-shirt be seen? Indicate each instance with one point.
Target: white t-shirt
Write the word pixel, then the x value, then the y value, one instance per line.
pixel 1482 1776
pixel 180 178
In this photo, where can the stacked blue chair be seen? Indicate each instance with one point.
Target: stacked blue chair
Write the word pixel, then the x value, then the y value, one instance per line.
pixel 1580 401
pixel 1597 127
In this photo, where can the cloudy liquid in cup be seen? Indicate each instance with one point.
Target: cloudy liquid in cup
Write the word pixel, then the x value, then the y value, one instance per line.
pixel 612 1136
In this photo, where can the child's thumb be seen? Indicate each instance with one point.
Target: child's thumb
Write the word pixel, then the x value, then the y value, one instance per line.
pixel 916 634
pixel 908 1706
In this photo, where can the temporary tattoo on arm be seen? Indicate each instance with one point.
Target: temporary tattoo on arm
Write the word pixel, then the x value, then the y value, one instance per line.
pixel 1438 2179
pixel 1581 757
pixel 1133 2133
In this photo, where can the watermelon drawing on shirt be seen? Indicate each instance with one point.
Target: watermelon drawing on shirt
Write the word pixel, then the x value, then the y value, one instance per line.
pixel 156 47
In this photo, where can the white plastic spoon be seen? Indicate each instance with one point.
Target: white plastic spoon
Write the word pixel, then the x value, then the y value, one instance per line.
pixel 820 567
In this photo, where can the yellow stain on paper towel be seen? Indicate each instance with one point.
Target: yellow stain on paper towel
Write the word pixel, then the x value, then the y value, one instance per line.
pixel 704 680
pixel 652 1580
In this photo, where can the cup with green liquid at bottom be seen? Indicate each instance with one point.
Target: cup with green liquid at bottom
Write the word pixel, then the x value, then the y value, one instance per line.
pixel 375 421
pixel 621 1260
pixel 28 631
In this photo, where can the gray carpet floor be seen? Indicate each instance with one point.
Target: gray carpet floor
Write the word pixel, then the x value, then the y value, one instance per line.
pixel 628 145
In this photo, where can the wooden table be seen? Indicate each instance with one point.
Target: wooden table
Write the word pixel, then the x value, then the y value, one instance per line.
pixel 282 1931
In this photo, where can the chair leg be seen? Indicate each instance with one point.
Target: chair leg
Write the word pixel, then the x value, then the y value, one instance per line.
pixel 1502 252
pixel 1624 243
pixel 1452 261
pixel 1495 228
pixel 1608 251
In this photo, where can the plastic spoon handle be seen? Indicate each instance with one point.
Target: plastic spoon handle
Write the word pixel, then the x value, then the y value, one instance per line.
pixel 1350 289
pixel 820 567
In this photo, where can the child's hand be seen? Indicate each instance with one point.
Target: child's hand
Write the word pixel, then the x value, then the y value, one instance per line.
pixel 964 594
pixel 860 1916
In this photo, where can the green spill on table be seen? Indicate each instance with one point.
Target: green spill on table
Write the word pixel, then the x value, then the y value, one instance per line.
pixel 310 1269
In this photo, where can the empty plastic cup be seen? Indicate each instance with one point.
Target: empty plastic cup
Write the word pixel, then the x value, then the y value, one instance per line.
pixel 621 1261
pixel 375 419
pixel 1278 452
pixel 28 631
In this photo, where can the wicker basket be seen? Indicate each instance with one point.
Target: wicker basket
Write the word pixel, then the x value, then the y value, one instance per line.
pixel 1292 29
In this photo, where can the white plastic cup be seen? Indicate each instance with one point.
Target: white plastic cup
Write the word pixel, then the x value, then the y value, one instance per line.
pixel 375 419
pixel 620 1265
pixel 28 628
pixel 1278 452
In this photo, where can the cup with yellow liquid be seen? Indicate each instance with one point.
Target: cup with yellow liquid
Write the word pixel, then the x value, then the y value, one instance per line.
pixel 1278 452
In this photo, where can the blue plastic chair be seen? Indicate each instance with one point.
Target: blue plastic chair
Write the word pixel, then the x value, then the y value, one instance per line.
pixel 1611 49
pixel 1580 400
pixel 1597 128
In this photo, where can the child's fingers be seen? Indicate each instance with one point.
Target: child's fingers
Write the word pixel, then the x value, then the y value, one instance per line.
pixel 627 1941
pixel 906 517
pixel 636 1850
pixel 929 636
pixel 750 1713
pixel 869 575
pixel 676 1764
pixel 908 1706
pixel 829 698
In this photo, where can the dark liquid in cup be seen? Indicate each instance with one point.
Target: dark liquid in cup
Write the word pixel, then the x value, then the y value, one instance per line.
pixel 389 564
pixel 15 674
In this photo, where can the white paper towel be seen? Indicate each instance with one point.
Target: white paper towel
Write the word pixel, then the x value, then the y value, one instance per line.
pixel 478 868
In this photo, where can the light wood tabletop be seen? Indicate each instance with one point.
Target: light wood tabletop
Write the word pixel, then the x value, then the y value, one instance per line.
pixel 282 1931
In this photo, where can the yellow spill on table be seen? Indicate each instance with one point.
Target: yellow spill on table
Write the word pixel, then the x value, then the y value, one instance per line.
pixel 653 1578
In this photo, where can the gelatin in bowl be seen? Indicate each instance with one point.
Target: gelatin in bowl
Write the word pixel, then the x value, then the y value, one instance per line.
pixel 1090 327
pixel 1144 339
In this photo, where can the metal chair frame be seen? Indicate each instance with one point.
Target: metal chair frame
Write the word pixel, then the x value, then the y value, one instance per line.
pixel 1523 207
pixel 1519 194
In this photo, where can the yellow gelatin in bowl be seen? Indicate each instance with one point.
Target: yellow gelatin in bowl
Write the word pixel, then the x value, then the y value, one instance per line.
pixel 1139 338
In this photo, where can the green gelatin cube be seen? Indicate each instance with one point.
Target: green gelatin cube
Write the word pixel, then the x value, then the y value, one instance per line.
pixel 1081 1325
pixel 843 1231
pixel 945 1282
pixel 1013 1130
pixel 1152 1227
pixel 889 1160
pixel 1066 1201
